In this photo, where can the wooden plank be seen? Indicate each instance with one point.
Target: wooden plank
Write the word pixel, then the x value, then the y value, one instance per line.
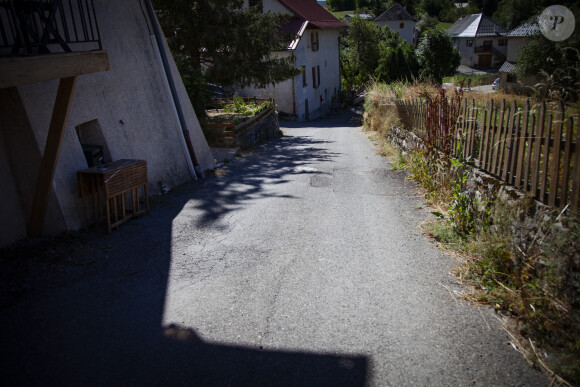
pixel 472 129
pixel 498 140
pixel 523 133
pixel 575 199
pixel 485 135
pixel 567 159
pixel 555 170
pixel 538 141
pixel 529 148
pixel 508 144
pixel 47 169
pixel 492 139
pixel 15 71
pixel 546 161
pixel 515 144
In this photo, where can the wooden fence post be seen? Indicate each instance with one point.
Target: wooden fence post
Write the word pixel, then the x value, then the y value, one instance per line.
pixel 538 141
pixel 555 170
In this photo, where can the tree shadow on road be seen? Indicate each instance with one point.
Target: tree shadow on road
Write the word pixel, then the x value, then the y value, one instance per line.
pixel 88 309
pixel 253 176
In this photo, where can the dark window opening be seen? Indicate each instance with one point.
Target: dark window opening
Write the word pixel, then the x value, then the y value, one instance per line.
pixel 314 41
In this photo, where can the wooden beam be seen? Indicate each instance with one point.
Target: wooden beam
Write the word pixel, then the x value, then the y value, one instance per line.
pixel 15 71
pixel 54 138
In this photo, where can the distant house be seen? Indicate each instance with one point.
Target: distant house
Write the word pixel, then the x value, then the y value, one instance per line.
pixel 398 19
pixel 516 39
pixel 480 41
pixel 315 50
pixel 102 88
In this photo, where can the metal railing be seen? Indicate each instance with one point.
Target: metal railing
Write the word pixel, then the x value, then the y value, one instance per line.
pixel 38 27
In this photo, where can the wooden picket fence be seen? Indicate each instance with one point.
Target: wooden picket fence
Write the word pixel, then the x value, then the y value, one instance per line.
pixel 534 148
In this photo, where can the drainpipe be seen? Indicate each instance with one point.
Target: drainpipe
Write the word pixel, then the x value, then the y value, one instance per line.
pixel 294 89
pixel 182 123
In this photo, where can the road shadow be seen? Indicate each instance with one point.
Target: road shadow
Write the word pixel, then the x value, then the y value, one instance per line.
pixel 341 119
pixel 86 309
pixel 247 177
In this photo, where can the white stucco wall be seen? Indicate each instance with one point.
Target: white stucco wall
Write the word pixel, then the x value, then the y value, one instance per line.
pixel 513 48
pixel 406 33
pixel 327 57
pixel 291 95
pixel 467 53
pixel 132 105
pixel 470 58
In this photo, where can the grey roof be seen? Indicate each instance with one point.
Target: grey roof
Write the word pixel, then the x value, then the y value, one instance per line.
pixel 507 67
pixel 526 29
pixel 475 25
pixel 395 12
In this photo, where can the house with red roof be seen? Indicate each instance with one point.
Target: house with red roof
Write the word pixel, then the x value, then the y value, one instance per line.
pixel 315 51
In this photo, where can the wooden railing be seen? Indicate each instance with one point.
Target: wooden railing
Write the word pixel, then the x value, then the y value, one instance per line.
pixel 534 148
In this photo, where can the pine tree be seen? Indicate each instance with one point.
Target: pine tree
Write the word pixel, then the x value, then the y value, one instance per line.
pixel 218 42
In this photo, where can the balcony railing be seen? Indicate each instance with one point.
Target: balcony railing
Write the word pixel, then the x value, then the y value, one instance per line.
pixel 483 49
pixel 38 27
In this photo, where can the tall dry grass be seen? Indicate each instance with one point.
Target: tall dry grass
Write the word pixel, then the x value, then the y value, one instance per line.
pixel 381 113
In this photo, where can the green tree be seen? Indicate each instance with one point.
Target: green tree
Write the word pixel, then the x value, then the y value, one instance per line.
pixel 219 42
pixel 556 65
pixel 437 55
pixel 373 52
pixel 361 52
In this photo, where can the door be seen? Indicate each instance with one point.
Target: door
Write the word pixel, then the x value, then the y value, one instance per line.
pixel 485 60
pixel 307 112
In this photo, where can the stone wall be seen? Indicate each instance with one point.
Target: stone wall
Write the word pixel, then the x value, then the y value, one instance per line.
pixel 533 224
pixel 261 128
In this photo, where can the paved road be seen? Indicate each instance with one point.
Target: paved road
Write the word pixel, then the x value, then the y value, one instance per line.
pixel 304 265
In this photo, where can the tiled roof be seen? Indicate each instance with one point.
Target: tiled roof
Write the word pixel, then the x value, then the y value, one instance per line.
pixel 526 29
pixel 475 25
pixel 507 67
pixel 312 12
pixel 395 12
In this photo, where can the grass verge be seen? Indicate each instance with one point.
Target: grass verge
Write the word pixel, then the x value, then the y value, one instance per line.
pixel 532 280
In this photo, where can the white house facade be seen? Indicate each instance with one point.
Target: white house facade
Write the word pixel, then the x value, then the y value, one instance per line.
pixel 516 39
pixel 316 51
pixel 400 20
pixel 129 111
pixel 479 40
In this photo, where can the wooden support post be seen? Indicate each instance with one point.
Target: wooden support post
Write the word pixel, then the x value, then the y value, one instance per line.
pixel 50 155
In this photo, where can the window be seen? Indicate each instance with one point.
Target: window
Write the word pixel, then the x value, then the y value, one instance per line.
pixel 303 71
pixel 469 43
pixel 402 25
pixel 314 77
pixel 314 40
pixel 502 42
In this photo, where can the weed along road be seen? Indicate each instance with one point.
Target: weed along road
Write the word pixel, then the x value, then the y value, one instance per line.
pixel 303 265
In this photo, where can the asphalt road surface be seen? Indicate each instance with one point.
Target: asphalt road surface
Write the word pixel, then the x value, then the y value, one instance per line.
pixel 303 265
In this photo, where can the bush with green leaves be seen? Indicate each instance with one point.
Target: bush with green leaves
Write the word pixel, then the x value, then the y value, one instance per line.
pixel 238 105
pixel 437 56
